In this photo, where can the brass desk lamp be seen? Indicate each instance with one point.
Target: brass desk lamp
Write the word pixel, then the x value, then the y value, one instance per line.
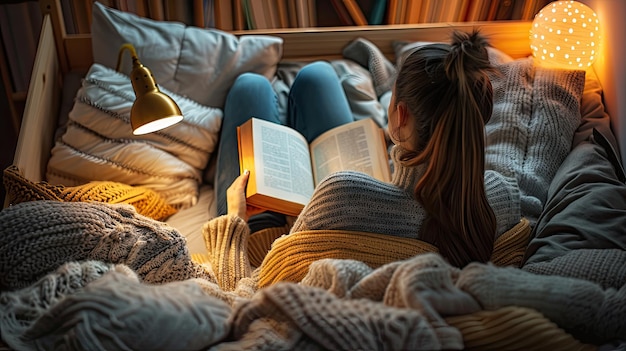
pixel 152 109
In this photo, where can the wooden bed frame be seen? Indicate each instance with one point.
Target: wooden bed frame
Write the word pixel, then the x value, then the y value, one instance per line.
pixel 59 53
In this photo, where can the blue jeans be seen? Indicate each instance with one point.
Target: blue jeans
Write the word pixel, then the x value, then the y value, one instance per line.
pixel 317 103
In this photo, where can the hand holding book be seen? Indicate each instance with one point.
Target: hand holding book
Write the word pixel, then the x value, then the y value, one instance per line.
pixel 236 198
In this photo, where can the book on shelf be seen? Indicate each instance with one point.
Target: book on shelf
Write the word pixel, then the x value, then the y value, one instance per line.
pixel 283 13
pixel 155 10
pixel 259 17
pixel 355 12
pixel 413 10
pixel 376 15
pixel 285 168
pixel 342 13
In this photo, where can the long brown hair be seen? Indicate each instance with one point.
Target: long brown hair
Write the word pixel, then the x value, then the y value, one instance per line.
pixel 447 89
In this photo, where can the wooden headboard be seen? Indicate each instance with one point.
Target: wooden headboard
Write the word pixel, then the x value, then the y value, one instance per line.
pixel 319 42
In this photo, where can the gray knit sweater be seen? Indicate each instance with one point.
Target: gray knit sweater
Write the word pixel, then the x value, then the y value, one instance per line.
pixel 355 201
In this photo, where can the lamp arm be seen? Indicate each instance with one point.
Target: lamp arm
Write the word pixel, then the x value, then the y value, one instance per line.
pixel 133 55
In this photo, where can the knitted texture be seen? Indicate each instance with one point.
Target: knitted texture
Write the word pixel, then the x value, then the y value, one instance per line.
pixel 514 328
pixel 606 267
pixel 501 300
pixel 337 276
pixel 226 239
pixel 426 283
pixel 39 236
pixel 291 255
pixel 307 315
pixel 369 56
pixel 509 248
pixel 536 112
pixel 260 243
pixel 21 308
pixel 118 312
pixel 578 306
pixel 146 201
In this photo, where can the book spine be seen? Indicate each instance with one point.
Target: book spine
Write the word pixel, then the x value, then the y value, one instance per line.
pixel 355 12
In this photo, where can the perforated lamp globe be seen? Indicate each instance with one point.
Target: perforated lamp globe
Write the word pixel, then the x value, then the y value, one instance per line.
pixel 565 34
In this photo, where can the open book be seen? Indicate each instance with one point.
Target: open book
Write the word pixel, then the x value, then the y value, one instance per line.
pixel 284 168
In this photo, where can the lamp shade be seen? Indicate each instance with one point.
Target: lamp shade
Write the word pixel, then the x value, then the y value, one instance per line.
pixel 565 34
pixel 152 109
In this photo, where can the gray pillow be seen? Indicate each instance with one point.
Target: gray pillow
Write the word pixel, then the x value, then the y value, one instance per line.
pixel 199 63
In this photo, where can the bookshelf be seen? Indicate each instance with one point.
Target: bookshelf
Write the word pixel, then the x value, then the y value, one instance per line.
pixel 236 15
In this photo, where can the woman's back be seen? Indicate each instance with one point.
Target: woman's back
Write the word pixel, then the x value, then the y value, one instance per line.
pixel 355 201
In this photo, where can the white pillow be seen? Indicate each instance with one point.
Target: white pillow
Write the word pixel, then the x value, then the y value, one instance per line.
pixel 98 143
pixel 198 63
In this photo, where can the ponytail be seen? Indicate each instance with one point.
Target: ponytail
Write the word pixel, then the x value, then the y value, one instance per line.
pixel 460 221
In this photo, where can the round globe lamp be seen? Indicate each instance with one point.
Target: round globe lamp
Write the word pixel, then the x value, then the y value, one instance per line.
pixel 565 34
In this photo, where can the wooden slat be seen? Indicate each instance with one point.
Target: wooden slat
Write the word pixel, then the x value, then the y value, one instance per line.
pixel 53 8
pixel 42 103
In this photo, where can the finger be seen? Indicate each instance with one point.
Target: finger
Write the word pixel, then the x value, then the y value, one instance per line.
pixel 240 182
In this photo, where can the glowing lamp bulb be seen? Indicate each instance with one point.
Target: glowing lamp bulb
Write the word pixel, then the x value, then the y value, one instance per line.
pixel 565 34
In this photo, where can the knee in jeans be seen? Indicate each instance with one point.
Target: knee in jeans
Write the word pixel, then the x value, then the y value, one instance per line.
pixel 316 71
pixel 249 82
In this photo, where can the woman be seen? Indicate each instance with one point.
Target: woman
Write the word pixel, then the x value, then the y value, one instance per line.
pixel 440 191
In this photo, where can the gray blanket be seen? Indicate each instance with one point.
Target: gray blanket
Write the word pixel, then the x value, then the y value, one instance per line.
pixel 582 230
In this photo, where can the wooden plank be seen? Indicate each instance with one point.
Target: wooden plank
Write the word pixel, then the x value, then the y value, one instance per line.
pixel 42 105
pixel 328 42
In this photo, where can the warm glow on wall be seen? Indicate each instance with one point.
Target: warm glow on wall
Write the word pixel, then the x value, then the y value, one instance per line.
pixel 565 34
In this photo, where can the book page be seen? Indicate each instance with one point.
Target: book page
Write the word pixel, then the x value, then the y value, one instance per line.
pixel 357 146
pixel 282 162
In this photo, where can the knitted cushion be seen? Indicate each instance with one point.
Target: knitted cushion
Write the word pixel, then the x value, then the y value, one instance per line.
pixel 291 255
pixel 146 201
